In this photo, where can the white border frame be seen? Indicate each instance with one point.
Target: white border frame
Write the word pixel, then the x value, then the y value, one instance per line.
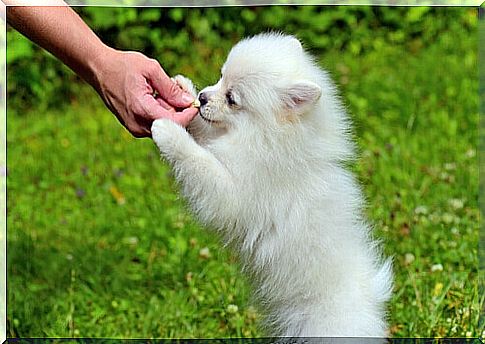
pixel 205 3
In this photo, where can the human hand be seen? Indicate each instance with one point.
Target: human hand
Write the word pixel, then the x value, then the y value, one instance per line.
pixel 127 82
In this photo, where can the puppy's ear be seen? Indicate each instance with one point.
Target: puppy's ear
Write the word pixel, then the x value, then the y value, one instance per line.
pixel 297 97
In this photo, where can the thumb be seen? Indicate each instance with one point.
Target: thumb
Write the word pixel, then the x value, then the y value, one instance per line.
pixel 168 89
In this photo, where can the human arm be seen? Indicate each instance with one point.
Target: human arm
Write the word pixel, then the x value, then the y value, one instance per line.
pixel 125 81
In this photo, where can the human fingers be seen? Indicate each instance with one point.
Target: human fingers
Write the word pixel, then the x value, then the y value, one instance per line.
pixel 167 89
pixel 185 117
pixel 165 105
pixel 153 109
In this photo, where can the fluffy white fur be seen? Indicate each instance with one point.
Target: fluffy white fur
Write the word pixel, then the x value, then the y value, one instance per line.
pixel 261 164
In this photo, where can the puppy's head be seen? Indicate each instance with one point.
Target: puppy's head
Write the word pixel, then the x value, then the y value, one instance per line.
pixel 267 79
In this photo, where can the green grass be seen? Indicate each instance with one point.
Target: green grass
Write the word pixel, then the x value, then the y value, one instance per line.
pixel 101 245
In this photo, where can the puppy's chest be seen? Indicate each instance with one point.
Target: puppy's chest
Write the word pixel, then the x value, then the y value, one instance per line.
pixel 255 174
pixel 259 169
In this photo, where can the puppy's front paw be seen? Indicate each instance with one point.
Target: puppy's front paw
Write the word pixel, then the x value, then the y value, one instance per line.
pixel 168 136
pixel 162 130
pixel 186 84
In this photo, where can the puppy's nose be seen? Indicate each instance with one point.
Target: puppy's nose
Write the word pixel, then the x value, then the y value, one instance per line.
pixel 203 98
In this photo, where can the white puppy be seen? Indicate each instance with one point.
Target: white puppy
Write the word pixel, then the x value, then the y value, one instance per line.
pixel 263 166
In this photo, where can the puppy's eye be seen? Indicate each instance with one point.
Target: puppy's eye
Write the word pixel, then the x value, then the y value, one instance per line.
pixel 230 98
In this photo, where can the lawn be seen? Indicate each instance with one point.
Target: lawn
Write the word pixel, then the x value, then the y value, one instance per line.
pixel 100 244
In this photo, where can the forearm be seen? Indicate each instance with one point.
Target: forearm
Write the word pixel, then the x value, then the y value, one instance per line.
pixel 62 32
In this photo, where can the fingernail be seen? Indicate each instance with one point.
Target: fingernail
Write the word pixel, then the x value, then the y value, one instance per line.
pixel 187 98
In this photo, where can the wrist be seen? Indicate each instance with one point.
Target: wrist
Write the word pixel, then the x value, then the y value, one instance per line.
pixel 102 58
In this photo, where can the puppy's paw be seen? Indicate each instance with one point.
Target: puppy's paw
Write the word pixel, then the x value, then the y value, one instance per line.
pixel 166 134
pixel 185 84
pixel 162 130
